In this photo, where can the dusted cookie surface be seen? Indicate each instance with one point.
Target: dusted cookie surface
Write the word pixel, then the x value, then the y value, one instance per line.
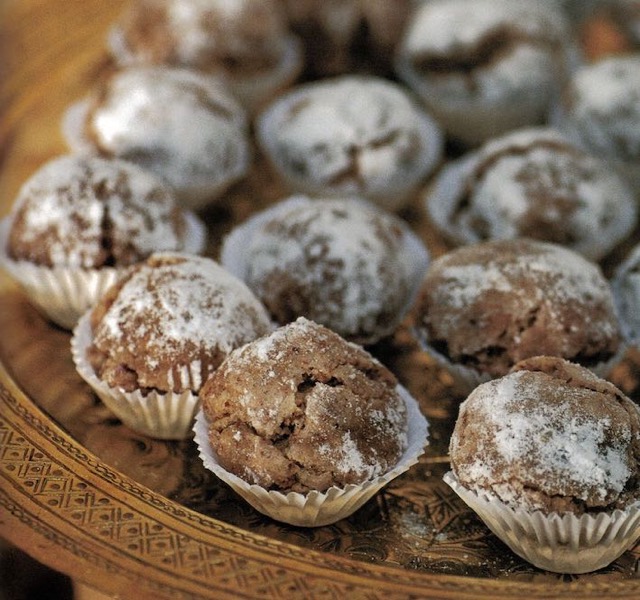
pixel 549 436
pixel 352 134
pixel 344 263
pixel 245 42
pixel 488 66
pixel 489 305
pixel 600 110
pixel 179 124
pixel 92 213
pixel 533 183
pixel 242 36
pixel 169 322
pixel 304 410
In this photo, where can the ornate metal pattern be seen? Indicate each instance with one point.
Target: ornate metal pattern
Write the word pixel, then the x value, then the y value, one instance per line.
pixel 142 518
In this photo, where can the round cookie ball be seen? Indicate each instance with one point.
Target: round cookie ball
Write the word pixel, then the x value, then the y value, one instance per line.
pixel 485 67
pixel 359 135
pixel 533 183
pixel 179 124
pixel 247 42
pixel 344 263
pixel 484 307
pixel 303 410
pixel 169 323
pixel 89 212
pixel 549 436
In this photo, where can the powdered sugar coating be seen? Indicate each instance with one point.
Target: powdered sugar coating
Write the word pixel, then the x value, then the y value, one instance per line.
pixel 90 213
pixel 350 135
pixel 487 66
pixel 492 304
pixel 601 108
pixel 171 321
pixel 533 183
pixel 304 410
pixel 343 263
pixel 210 35
pixel 245 42
pixel 181 125
pixel 549 436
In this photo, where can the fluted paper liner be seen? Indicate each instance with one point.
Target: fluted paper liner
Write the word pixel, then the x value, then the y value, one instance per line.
pixel 164 416
pixel 562 543
pixel 63 293
pixel 315 509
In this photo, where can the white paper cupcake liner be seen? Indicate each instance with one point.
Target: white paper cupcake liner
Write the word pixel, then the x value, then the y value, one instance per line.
pixel 560 543
pixel 163 416
pixel 315 509
pixel 467 379
pixel 62 293
pixel 233 256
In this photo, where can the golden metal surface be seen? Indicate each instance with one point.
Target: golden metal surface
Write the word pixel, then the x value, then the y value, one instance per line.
pixel 141 518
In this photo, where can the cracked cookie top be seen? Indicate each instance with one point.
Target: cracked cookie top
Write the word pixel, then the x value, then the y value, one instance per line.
pixel 350 135
pixel 91 213
pixel 302 410
pixel 487 306
pixel 169 322
pixel 549 436
pixel 344 263
pixel 534 183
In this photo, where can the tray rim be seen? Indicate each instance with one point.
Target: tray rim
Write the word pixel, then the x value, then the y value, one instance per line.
pixel 242 557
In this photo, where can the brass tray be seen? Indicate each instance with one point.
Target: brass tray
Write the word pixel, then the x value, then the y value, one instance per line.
pixel 141 518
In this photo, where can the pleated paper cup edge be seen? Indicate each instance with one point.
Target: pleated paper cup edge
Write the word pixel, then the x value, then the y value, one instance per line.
pixel 151 415
pixel 315 509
